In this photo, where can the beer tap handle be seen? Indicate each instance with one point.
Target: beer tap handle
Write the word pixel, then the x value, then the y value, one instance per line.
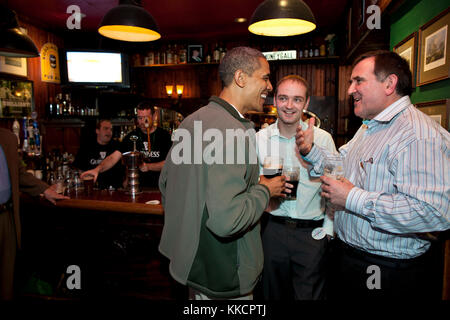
pixel 134 139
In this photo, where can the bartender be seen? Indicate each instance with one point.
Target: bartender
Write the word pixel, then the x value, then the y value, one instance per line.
pixel 153 142
pixel 94 152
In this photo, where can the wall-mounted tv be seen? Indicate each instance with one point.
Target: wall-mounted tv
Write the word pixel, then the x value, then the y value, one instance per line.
pixel 102 69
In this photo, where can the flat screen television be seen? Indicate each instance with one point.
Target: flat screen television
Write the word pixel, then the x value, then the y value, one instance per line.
pixel 96 69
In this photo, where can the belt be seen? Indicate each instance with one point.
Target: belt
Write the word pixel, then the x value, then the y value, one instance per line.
pixel 296 223
pixel 377 259
pixel 6 206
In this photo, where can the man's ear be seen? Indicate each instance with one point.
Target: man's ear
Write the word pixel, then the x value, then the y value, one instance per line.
pixel 240 78
pixel 391 84
pixel 306 104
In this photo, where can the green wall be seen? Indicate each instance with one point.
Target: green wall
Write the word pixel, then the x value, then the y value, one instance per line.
pixel 407 19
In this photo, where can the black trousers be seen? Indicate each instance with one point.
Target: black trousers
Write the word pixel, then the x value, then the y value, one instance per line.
pixel 356 274
pixel 294 263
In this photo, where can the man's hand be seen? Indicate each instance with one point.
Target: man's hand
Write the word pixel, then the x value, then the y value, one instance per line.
pixel 276 185
pixel 336 191
pixel 52 196
pixel 305 138
pixel 93 172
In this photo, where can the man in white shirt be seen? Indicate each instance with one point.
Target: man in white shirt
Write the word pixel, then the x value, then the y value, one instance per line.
pixel 293 258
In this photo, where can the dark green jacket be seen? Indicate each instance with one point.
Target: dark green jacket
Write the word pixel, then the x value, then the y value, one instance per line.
pixel 212 210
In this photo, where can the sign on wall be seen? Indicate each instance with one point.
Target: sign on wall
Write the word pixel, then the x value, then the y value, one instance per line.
pixel 50 63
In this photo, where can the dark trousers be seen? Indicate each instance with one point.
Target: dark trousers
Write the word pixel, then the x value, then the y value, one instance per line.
pixel 356 274
pixel 294 263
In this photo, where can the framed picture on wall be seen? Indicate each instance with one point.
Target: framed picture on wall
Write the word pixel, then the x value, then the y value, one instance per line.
pixel 16 98
pixel 434 51
pixel 407 49
pixel 195 53
pixel 13 65
pixel 437 110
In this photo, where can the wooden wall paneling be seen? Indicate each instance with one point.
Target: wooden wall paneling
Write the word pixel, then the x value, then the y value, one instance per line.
pixel 42 90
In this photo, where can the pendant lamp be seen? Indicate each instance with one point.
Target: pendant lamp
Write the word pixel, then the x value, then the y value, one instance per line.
pixel 129 22
pixel 13 42
pixel 281 18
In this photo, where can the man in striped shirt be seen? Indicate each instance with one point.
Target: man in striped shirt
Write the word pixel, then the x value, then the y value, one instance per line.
pixel 396 186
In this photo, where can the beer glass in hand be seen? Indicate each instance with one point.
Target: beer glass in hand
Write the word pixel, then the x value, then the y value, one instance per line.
pixel 333 167
pixel 272 166
pixel 292 173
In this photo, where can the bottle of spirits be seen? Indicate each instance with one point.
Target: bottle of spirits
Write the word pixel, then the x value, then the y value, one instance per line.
pixel 216 53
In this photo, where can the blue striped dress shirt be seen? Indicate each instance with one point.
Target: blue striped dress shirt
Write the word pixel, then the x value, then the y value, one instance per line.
pixel 399 166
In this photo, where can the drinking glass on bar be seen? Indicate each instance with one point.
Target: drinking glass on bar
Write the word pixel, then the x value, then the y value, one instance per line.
pixel 272 166
pixel 333 168
pixel 292 173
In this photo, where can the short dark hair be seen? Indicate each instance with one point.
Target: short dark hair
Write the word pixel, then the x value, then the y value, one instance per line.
pixel 99 122
pixel 144 105
pixel 387 63
pixel 239 58
pixel 295 78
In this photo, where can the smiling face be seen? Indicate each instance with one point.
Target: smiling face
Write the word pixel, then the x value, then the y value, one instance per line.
pixel 258 87
pixel 368 92
pixel 290 101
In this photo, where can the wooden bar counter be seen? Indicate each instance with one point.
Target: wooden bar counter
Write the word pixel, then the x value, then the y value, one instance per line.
pixel 113 201
pixel 111 236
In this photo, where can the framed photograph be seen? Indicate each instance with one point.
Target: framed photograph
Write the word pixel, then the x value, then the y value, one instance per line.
pixel 407 49
pixel 195 53
pixel 437 110
pixel 434 52
pixel 13 65
pixel 16 98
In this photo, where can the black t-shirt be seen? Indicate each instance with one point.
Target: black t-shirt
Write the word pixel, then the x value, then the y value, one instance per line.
pixel 160 141
pixel 91 154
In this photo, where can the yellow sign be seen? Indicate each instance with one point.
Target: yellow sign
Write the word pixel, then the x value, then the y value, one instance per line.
pixel 50 63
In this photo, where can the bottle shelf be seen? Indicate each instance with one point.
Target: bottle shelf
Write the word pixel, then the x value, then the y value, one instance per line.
pixel 179 65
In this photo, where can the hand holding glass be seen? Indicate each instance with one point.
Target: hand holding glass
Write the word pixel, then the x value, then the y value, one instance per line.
pixel 292 173
pixel 333 168
pixel 272 166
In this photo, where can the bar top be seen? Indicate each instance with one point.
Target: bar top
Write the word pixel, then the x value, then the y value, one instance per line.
pixel 113 201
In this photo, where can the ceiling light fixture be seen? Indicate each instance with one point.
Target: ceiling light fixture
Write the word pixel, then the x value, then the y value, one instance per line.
pixel 129 22
pixel 13 42
pixel 280 18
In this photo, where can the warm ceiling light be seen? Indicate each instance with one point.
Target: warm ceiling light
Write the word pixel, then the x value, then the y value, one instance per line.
pixel 13 42
pixel 129 22
pixel 169 90
pixel 240 20
pixel 280 18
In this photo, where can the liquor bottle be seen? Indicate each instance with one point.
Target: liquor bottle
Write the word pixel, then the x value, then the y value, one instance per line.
pixel 25 134
pixel 216 53
pixel 176 57
pixel 50 108
pixel 223 52
pixel 163 57
pixel 182 55
pixel 169 55
pixel 208 54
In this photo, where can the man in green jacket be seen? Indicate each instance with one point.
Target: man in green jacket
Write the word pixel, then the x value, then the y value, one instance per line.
pixel 212 193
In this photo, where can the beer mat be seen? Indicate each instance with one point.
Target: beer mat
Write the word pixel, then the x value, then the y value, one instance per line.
pixel 153 202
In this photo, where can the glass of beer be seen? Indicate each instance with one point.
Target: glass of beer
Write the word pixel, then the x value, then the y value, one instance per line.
pixel 333 167
pixel 272 166
pixel 292 173
pixel 88 182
